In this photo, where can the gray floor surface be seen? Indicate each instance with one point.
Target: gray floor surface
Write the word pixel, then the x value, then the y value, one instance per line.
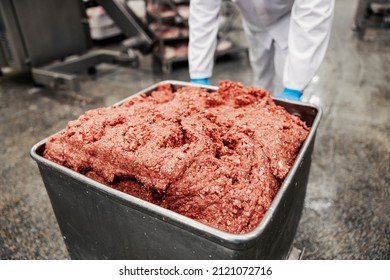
pixel 346 213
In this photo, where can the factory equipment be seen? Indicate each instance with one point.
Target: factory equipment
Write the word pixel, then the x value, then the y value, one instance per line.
pixel 51 38
pixel 372 20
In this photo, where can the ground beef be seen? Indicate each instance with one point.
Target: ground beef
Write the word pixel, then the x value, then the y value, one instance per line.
pixel 218 157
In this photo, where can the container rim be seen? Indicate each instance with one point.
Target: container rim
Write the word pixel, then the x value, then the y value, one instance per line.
pixel 177 219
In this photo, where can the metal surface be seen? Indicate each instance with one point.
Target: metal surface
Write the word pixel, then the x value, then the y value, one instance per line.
pixel 61 39
pixel 41 35
pixel 98 222
pixel 64 74
pixel 296 254
pixel 52 30
pixel 12 46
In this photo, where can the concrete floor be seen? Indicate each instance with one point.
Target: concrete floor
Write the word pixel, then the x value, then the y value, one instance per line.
pixel 346 214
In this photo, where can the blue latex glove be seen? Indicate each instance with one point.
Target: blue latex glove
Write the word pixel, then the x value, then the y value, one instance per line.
pixel 204 81
pixel 290 94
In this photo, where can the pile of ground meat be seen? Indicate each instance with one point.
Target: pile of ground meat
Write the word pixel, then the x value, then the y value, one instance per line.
pixel 217 157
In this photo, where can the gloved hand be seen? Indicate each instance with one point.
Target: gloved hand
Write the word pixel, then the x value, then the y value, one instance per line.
pixel 204 81
pixel 290 94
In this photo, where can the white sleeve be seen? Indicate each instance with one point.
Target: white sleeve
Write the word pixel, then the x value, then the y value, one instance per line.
pixel 203 23
pixel 309 34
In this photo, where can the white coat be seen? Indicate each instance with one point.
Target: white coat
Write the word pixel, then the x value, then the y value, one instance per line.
pixel 287 39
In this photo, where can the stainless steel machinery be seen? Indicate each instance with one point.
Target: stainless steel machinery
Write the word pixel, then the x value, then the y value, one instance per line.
pixel 51 39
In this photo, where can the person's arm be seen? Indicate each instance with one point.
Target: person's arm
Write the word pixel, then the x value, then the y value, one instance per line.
pixel 309 34
pixel 203 23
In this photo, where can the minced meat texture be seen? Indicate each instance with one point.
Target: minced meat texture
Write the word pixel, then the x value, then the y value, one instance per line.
pixel 217 157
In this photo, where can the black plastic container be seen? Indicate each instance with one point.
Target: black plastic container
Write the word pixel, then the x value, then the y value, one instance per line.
pixel 98 222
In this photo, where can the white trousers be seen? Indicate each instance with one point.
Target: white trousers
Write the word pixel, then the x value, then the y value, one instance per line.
pixel 287 39
pixel 267 63
pixel 268 50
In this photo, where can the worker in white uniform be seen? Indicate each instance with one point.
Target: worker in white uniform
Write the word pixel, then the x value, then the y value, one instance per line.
pixel 287 41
